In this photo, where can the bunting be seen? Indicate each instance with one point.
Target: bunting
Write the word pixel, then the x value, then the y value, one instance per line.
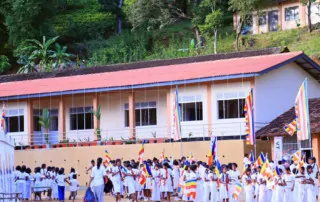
pixel 249 117
pixel 302 113
pixel 291 128
pixel 176 116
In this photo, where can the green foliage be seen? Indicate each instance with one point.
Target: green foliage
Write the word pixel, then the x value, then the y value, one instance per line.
pixel 127 47
pixel 4 63
pixel 213 22
pixel 28 19
pixel 44 121
pixel 60 57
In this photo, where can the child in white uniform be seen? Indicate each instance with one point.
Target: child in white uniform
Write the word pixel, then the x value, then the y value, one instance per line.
pixel 248 185
pixel 130 177
pixel 54 185
pixel 310 184
pixel 176 176
pixel 213 185
pixel 289 179
pixel 301 186
pixel 156 195
pixel 234 175
pixel 262 196
pixel 37 177
pixel 166 181
pixel 28 183
pixel 185 177
pixel 206 186
pixel 117 177
pixel 224 181
pixel 280 185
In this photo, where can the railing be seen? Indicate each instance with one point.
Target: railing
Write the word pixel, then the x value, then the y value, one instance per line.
pixel 196 130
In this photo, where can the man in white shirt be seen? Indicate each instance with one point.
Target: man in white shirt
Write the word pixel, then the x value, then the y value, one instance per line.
pixel 74 184
pixel 246 161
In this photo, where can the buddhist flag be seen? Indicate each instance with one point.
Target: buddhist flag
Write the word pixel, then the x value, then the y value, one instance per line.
pixel 251 157
pixel 265 170
pixel 108 158
pixel 147 169
pixel 237 191
pixel 213 151
pixel 4 119
pixel 302 113
pixel 296 156
pixel 291 128
pixel 176 116
pixel 276 171
pixel 143 176
pixel 218 169
pixel 191 187
pixel 249 117
pixel 261 159
pixel 141 153
pixel 161 159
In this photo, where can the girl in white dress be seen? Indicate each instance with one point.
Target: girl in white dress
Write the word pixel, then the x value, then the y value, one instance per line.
pixel 301 185
pixel 166 181
pixel 224 183
pixel 280 185
pixel 148 185
pixel 22 182
pixel 289 178
pixel 156 195
pixel 54 184
pixel 213 185
pixel 138 186
pixel 206 186
pixel 262 196
pixel 310 184
pixel 199 190
pixel 176 176
pixel 117 181
pixel 185 177
pixel 194 176
pixel 130 177
pixel 28 183
pixel 37 177
pixel 234 175
pixel 248 185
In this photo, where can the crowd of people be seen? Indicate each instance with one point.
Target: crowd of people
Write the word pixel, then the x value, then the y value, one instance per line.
pixel 166 181
pixel 45 182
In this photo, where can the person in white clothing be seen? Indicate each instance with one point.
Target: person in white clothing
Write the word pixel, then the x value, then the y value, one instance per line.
pixel 301 186
pixel 74 185
pixel 248 185
pixel 117 181
pixel 224 184
pixel 234 176
pixel 246 161
pixel 289 179
pixel 130 177
pixel 310 184
pixel 156 195
pixel 166 181
pixel 97 180
pixel 206 186
pixel 214 196
pixel 280 185
pixel 315 171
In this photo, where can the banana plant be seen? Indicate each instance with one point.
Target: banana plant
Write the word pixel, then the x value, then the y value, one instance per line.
pixel 44 121
pixel 97 114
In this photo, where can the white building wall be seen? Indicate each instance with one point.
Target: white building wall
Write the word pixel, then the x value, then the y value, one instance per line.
pixel 315 13
pixel 276 91
pixel 227 127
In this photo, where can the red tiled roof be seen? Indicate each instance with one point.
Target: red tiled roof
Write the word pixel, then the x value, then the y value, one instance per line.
pixel 180 72
pixel 275 127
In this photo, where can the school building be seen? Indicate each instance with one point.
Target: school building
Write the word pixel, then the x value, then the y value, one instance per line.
pixel 137 100
pixel 281 15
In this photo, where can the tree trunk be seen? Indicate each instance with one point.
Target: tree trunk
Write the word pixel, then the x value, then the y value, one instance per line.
pixel 309 16
pixel 215 41
pixel 197 32
pixel 119 19
pixel 239 29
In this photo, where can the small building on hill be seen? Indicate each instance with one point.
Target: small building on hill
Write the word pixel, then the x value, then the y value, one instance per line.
pixel 290 144
pixel 137 100
pixel 281 15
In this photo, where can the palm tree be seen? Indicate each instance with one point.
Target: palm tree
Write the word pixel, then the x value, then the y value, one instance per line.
pixel 60 57
pixel 44 121
pixel 40 51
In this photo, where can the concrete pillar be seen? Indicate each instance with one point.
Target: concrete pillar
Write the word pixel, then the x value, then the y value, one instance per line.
pixel 272 148
pixel 62 120
pixel 255 27
pixel 303 15
pixel 132 115
pixel 30 122
pixel 315 146
pixel 95 104
pixel 169 114
pixel 209 108
pixel 280 16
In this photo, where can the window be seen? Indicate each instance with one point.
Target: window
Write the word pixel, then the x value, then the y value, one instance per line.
pixel 262 18
pixel 53 119
pixel 292 13
pixel 15 120
pixel 81 118
pixel 231 105
pixel 191 108
pixel 146 114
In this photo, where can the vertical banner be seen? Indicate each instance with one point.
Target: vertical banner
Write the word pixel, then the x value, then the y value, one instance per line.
pixel 277 149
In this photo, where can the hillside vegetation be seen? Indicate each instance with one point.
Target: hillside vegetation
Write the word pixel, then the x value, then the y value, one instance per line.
pixel 90 31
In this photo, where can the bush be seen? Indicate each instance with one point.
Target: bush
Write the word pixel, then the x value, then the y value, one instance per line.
pixel 4 63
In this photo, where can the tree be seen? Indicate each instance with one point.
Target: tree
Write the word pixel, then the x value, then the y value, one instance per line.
pixel 60 57
pixel 4 63
pixel 212 23
pixel 244 9
pixel 97 114
pixel 27 19
pixel 115 7
pixel 308 3
pixel 44 121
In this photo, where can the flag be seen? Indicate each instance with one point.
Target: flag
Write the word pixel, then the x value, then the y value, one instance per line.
pixel 191 187
pixel 261 159
pixel 161 159
pixel 108 158
pixel 276 171
pixel 291 128
pixel 213 151
pixel 147 169
pixel 141 153
pixel 302 113
pixel 296 156
pixel 143 176
pixel 265 169
pixel 251 157
pixel 4 119
pixel 237 191
pixel 176 116
pixel 218 169
pixel 249 117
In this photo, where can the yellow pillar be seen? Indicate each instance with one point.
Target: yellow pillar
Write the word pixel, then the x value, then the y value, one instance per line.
pixel 62 121
pixel 96 122
pixel 30 122
pixel 132 116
